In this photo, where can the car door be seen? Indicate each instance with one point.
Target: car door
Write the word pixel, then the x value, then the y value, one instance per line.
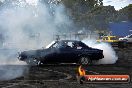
pixel 65 54
pixel 74 52
pixel 60 52
pixel 49 55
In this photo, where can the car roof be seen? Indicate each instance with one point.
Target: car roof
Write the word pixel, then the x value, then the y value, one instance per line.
pixel 69 40
pixel 109 36
pixel 75 41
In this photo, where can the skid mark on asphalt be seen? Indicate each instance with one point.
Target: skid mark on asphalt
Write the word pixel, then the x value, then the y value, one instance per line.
pixel 13 84
pixel 24 82
pixel 27 82
pixel 68 76
pixel 93 72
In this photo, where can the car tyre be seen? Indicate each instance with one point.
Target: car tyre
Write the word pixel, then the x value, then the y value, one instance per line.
pixel 33 62
pixel 85 61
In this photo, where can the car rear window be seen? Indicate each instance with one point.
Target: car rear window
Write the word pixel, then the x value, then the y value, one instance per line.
pixel 113 38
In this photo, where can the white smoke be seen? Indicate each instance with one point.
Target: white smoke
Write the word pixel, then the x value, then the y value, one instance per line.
pixel 9 72
pixel 30 24
pixel 25 25
pixel 110 56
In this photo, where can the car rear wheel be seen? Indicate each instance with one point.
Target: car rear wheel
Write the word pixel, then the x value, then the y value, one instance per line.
pixel 33 61
pixel 85 61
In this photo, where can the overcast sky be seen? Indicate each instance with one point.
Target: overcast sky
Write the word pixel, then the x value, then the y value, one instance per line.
pixel 118 4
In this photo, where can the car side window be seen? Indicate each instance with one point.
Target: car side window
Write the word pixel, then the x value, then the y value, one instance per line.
pixel 106 38
pixel 76 46
pixel 70 44
pixel 103 39
pixel 55 45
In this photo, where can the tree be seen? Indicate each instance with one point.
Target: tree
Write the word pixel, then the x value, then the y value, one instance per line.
pixel 125 13
pixel 79 9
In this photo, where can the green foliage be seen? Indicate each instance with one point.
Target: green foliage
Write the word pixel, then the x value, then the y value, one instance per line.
pixel 125 13
pixel 91 14
pixel 81 11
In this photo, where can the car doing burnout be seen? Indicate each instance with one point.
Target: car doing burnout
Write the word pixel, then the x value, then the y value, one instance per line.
pixel 62 51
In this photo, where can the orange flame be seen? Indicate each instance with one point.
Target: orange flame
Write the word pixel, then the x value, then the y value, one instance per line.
pixel 81 71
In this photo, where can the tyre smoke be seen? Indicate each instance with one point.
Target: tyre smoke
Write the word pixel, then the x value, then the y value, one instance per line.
pixel 110 56
pixel 25 25
pixel 31 24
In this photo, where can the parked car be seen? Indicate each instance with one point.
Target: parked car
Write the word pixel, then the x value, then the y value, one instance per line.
pixel 62 51
pixel 113 40
pixel 109 39
pixel 128 38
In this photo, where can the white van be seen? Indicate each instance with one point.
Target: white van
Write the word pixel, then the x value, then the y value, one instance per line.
pixel 128 38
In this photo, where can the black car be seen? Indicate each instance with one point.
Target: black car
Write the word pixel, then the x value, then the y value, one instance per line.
pixel 62 51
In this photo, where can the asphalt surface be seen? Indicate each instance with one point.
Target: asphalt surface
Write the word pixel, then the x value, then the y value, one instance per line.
pixel 64 76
